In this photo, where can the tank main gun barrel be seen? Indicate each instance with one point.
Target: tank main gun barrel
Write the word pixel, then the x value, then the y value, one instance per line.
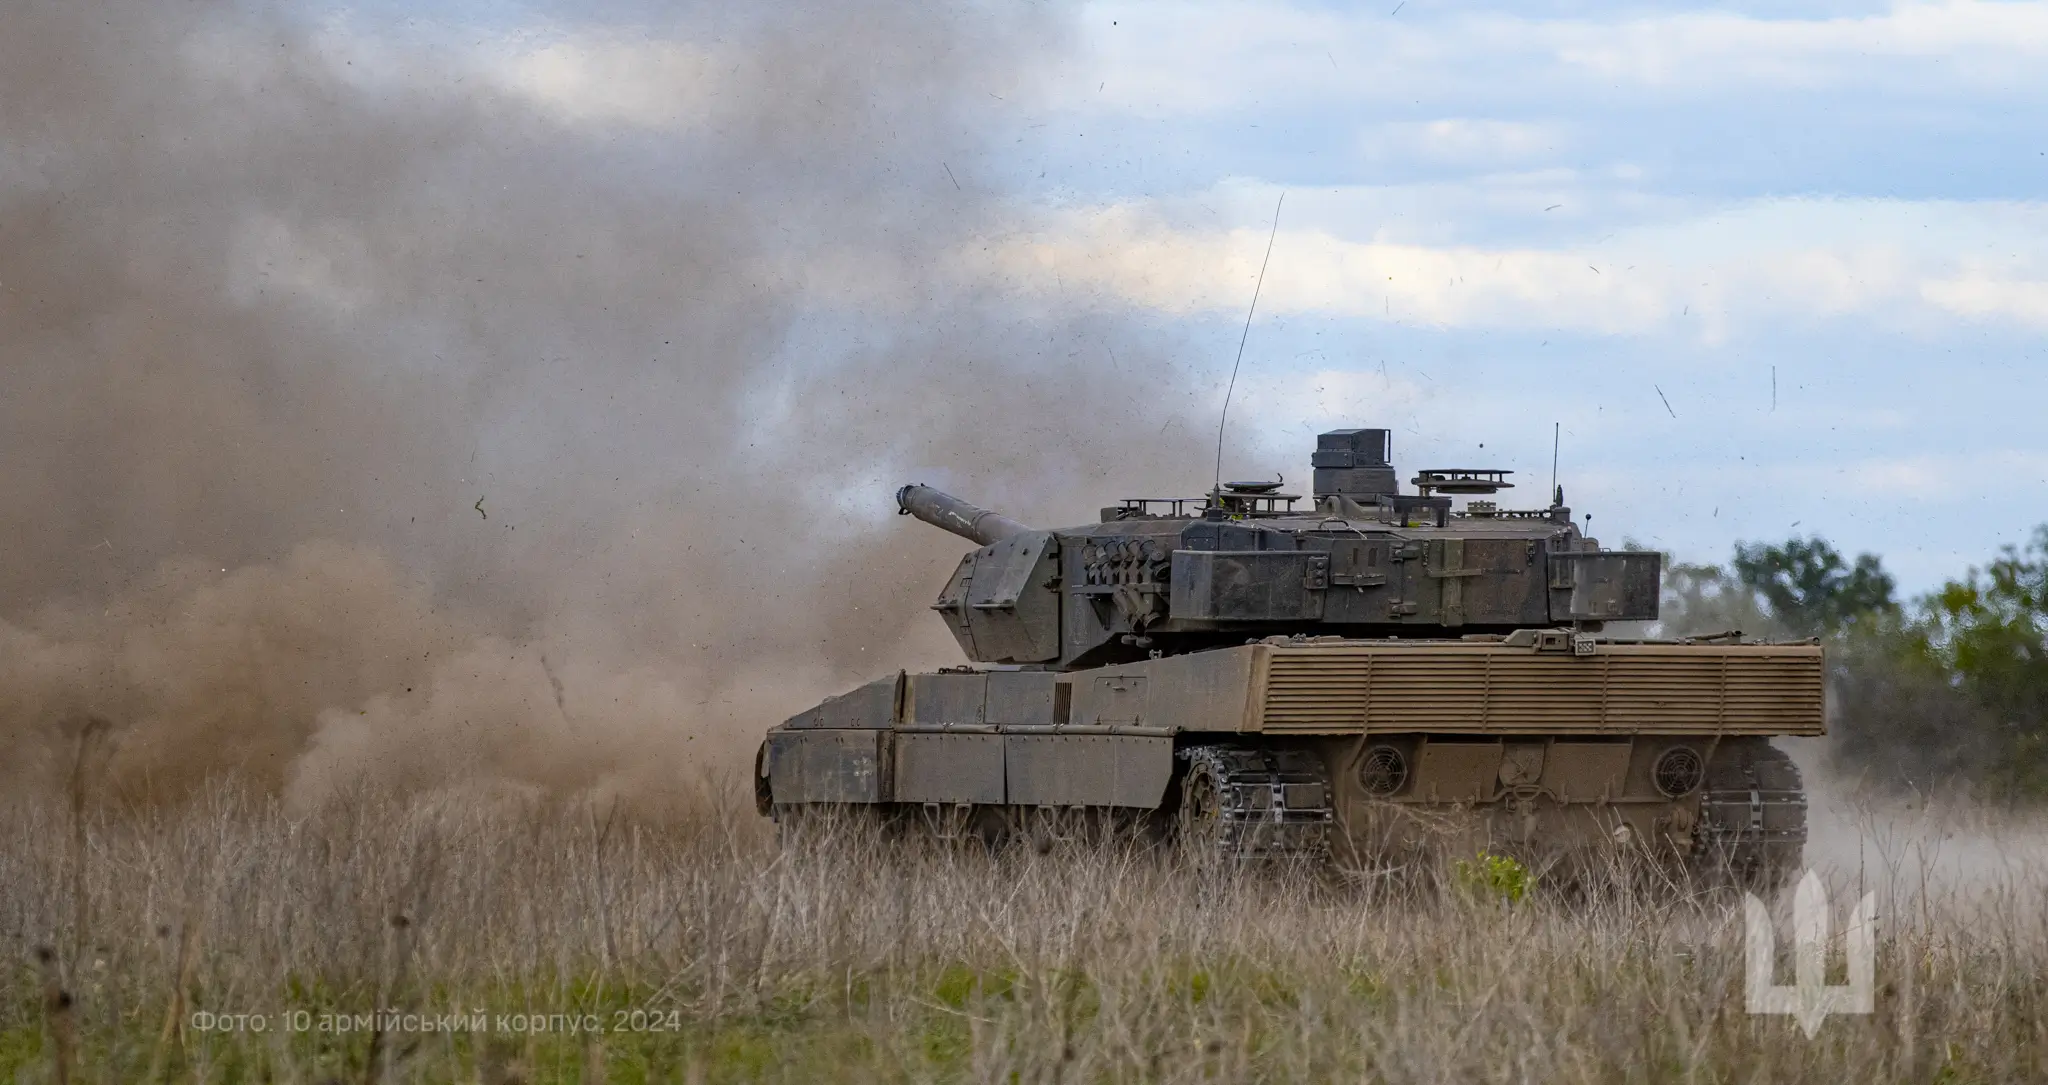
pixel 970 522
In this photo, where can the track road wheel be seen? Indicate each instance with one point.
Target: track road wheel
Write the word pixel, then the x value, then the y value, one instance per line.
pixel 1252 803
pixel 1199 830
pixel 1753 818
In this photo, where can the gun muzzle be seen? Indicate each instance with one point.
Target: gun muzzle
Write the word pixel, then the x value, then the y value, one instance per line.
pixel 970 522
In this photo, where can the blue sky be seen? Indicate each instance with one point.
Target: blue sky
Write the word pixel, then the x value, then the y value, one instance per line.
pixel 1774 268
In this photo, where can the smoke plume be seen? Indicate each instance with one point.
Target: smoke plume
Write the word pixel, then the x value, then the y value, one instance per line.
pixel 516 406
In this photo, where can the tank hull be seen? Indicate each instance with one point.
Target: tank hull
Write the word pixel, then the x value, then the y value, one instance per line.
pixel 1347 748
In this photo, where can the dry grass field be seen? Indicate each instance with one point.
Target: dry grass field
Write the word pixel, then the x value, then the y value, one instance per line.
pixel 385 940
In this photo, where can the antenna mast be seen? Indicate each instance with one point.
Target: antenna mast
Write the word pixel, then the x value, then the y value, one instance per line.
pixel 1256 287
pixel 1556 438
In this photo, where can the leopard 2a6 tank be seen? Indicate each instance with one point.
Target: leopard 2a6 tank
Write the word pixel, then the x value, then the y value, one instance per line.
pixel 1255 675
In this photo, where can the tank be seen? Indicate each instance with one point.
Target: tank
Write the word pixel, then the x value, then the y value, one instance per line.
pixel 1372 670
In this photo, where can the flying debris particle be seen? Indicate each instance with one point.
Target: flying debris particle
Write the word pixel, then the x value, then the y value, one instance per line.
pixel 1667 401
pixel 479 507
pixel 1397 8
pixel 555 683
pixel 950 177
pixel 1553 207
pixel 1592 269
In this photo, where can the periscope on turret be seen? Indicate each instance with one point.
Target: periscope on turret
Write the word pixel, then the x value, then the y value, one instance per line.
pixel 1252 674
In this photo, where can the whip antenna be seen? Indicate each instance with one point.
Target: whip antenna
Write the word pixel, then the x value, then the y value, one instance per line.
pixel 1556 437
pixel 1242 338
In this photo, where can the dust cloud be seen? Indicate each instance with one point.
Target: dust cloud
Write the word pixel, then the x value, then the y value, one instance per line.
pixel 1919 854
pixel 442 406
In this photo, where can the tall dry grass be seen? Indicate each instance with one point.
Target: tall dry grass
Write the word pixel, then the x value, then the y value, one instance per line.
pixel 847 958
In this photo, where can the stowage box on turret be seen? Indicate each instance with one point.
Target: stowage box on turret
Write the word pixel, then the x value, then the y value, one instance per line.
pixel 1256 678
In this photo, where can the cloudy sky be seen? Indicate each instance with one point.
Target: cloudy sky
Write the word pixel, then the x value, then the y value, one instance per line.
pixel 1774 269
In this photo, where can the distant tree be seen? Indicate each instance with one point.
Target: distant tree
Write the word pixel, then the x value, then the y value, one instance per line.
pixel 1990 631
pixel 1701 599
pixel 1950 689
pixel 1809 588
pixel 1954 690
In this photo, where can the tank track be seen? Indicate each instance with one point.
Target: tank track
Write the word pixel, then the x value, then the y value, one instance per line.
pixel 1267 804
pixel 1752 828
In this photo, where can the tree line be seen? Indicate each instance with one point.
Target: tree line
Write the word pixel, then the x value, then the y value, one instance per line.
pixel 1945 690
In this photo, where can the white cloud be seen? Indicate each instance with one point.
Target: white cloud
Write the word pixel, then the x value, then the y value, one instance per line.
pixel 600 79
pixel 1462 141
pixel 1120 252
pixel 1899 263
pixel 575 75
pixel 1180 58
pixel 1918 476
pixel 2021 300
pixel 1989 41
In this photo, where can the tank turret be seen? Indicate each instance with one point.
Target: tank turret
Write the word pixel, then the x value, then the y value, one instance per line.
pixel 1163 576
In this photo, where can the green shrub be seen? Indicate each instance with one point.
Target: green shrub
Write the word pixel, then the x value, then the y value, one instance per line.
pixel 1495 877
